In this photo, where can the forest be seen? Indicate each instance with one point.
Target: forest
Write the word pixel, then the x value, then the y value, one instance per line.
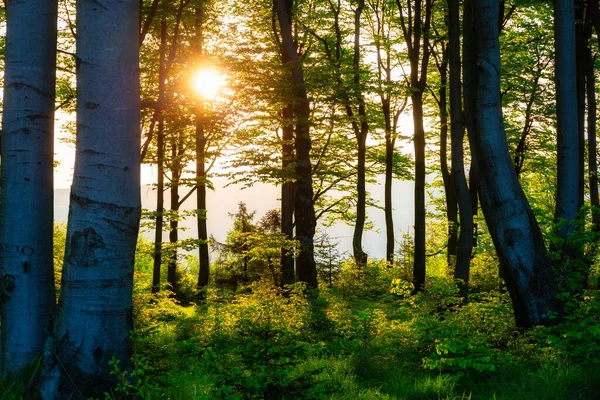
pixel 486 107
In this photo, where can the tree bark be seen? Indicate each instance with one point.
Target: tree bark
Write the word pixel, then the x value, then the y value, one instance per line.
pixel 361 137
pixel 287 162
pixel 287 194
pixel 568 169
pixel 470 96
pixel 160 155
pixel 451 203
pixel 304 211
pixel 416 34
pixel 176 170
pixel 94 319
pixel 514 230
pixel 26 229
pixel 459 180
pixel 592 143
pixel 203 259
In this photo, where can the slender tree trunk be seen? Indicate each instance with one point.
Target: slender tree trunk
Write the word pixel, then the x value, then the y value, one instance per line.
pixel 389 179
pixel 287 195
pixel 304 211
pixel 470 95
pixel 592 144
pixel 419 143
pixel 201 197
pixel 451 204
pixel 514 230
pixel 416 34
pixel 567 188
pixel 26 230
pixel 581 45
pixel 287 165
pixel 459 180
pixel 160 155
pixel 174 221
pixel 94 319
pixel 204 262
pixel 361 201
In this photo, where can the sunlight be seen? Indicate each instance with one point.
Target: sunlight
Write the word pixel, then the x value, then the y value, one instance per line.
pixel 207 82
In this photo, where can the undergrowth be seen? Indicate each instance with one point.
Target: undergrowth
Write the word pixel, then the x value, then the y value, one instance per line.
pixel 365 338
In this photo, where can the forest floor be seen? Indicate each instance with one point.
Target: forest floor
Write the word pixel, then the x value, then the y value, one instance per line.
pixel 365 338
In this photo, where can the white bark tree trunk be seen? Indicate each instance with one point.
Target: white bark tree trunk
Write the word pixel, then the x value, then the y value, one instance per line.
pixel 94 318
pixel 515 232
pixel 28 300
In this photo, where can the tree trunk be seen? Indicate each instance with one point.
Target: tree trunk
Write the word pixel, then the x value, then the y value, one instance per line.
pixel 389 179
pixel 581 45
pixel 176 152
pixel 160 155
pixel 287 164
pixel 451 204
pixel 470 95
pixel 94 319
pixel 201 197
pixel 514 230
pixel 419 143
pixel 592 146
pixel 361 201
pixel 417 39
pixel 287 194
pixel 459 180
pixel 567 186
pixel 304 211
pixel 204 262
pixel 26 230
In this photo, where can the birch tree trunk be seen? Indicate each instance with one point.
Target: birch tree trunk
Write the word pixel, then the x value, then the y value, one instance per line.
pixel 515 232
pixel 28 301
pixel 94 319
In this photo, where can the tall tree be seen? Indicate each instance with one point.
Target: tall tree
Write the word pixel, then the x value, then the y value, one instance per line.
pixel 415 21
pixel 459 181
pixel 94 320
pixel 361 130
pixel 160 162
pixel 387 90
pixel 304 212
pixel 568 171
pixel 514 230
pixel 201 148
pixel 26 228
pixel 287 164
pixel 592 140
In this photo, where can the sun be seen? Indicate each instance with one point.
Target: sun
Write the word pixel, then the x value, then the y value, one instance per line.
pixel 207 82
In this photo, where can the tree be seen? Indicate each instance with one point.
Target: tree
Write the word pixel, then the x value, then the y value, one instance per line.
pixel 568 148
pixel 304 212
pixel 160 162
pixel 459 181
pixel 415 21
pixel 201 148
pixel 382 28
pixel 514 230
pixel 94 320
pixel 26 226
